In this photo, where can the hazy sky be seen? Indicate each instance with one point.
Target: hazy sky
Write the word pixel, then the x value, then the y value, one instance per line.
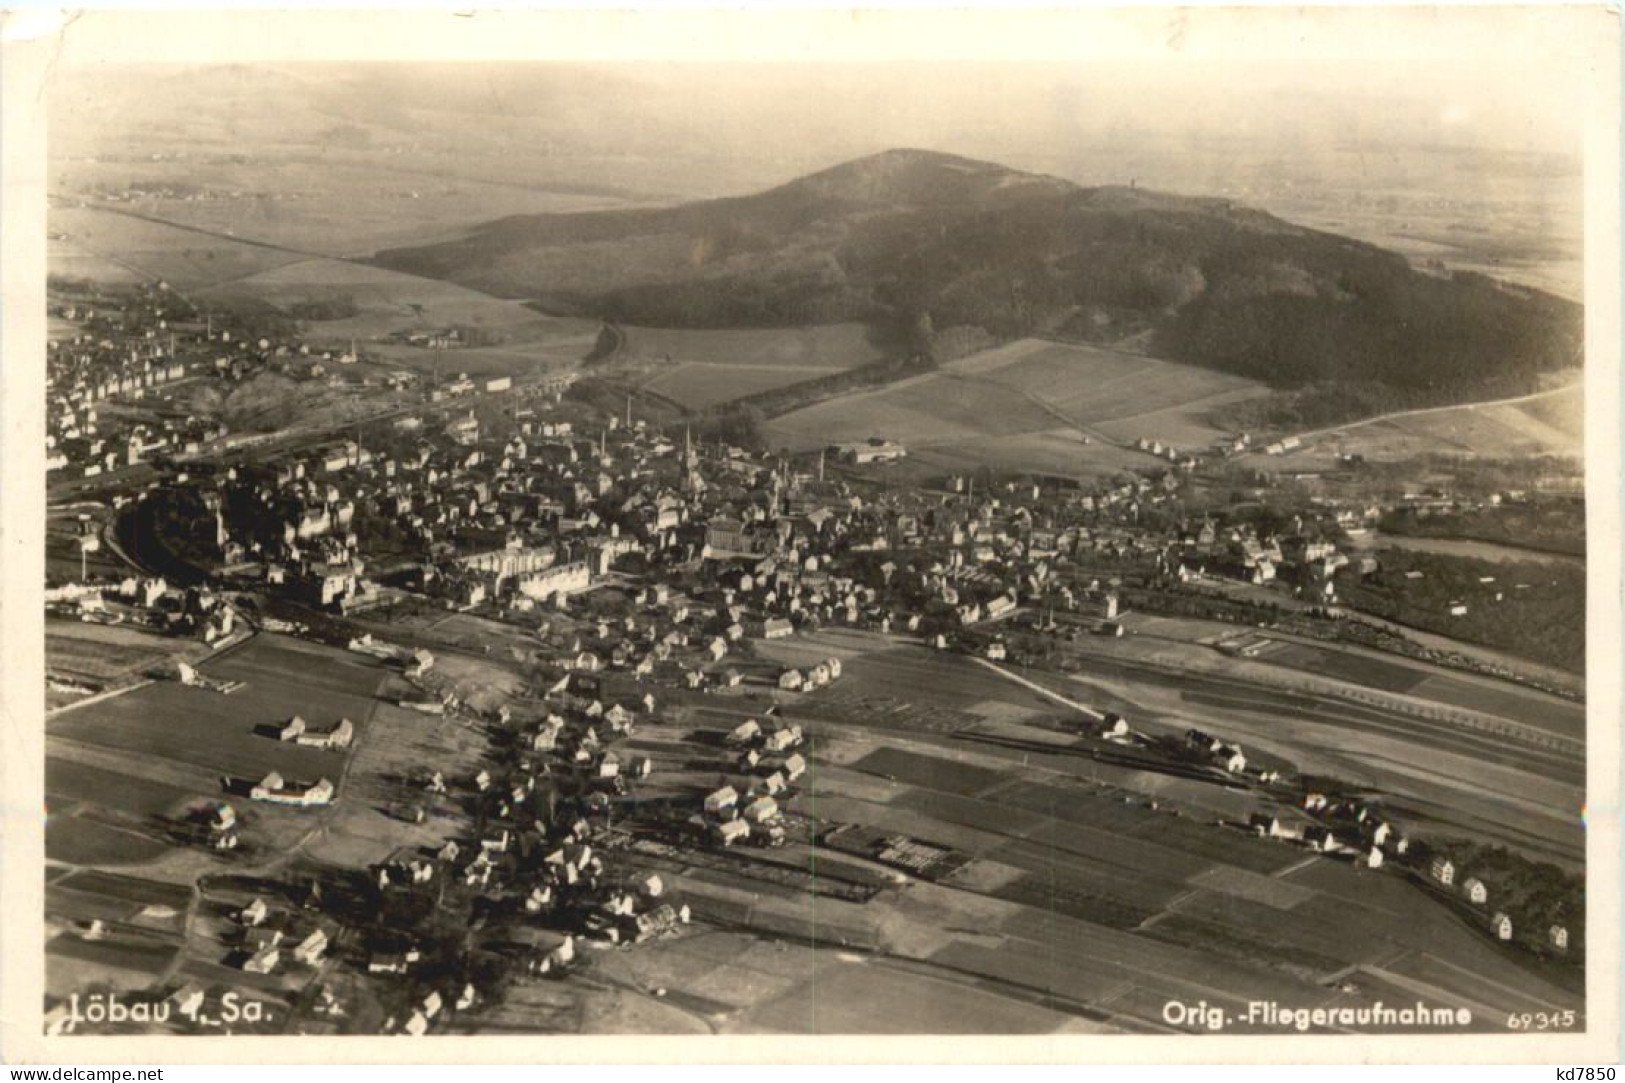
pixel 1374 122
pixel 1506 80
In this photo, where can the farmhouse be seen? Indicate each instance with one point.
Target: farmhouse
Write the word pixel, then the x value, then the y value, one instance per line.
pixel 337 738
pixel 874 450
pixel 1475 890
pixel 277 791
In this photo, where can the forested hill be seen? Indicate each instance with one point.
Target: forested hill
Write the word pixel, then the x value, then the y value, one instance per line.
pixel 919 243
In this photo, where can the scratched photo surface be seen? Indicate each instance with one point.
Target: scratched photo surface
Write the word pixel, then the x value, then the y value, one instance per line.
pixel 815 547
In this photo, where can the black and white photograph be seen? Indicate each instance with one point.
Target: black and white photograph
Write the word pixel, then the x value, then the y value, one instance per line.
pixel 663 528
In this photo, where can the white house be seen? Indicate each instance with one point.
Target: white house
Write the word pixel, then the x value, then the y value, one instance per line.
pixel 263 961
pixel 277 791
pixel 721 800
pixel 732 831
pixel 762 810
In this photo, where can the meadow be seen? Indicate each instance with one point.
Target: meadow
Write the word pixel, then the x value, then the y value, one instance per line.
pixel 1029 405
pixel 699 386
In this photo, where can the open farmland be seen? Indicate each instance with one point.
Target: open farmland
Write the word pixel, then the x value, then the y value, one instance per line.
pixel 1513 786
pixel 323 202
pixel 1524 794
pixel 125 775
pixel 1061 452
pixel 1075 901
pixel 918 411
pixel 1485 694
pixel 107 654
pixel 516 338
pixel 111 246
pixel 121 244
pixel 74 261
pixel 698 386
pixel 138 762
pixel 1124 395
pixel 1032 405
pixel 1552 423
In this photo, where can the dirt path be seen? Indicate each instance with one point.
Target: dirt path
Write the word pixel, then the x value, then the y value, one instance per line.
pixel 1040 689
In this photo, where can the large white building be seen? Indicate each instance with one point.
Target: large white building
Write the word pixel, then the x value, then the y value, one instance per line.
pixel 570 578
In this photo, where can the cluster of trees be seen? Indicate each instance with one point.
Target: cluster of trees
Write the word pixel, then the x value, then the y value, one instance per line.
pixel 474 335
pixel 738 424
pixel 252 318
pixel 326 308
pixel 782 400
pixel 1329 402
pixel 1204 606
pixel 1544 620
pixel 1535 894
pixel 1556 526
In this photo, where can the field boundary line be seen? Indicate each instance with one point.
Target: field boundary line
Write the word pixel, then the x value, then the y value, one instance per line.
pixel 1282 874
pixel 99 697
pixel 1397 415
pixel 1040 689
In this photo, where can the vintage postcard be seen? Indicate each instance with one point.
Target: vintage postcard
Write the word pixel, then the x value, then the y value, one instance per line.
pixel 812 535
